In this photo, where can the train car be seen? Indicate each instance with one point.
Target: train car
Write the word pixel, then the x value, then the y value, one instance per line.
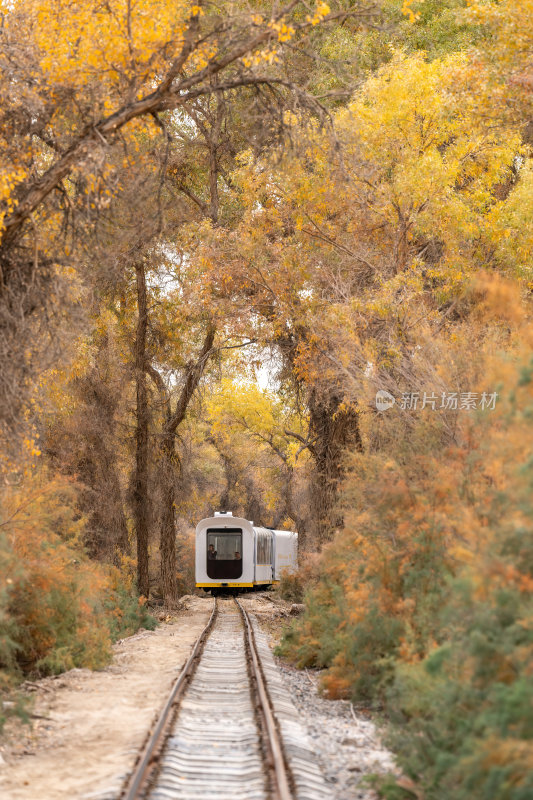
pixel 233 553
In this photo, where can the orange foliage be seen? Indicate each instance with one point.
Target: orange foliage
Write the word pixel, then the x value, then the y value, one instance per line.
pixel 423 514
pixel 58 609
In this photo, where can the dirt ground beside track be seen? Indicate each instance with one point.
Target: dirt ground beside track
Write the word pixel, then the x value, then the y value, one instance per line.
pixel 88 726
pixel 273 613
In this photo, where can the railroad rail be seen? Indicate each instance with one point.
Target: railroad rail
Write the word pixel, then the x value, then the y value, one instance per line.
pixel 227 732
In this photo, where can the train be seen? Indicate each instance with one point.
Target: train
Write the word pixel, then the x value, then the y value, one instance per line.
pixel 234 555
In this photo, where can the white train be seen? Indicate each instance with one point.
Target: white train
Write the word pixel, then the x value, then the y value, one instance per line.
pixel 234 553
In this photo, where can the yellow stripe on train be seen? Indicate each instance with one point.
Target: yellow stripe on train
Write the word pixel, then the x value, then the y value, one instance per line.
pixel 234 585
pixel 220 585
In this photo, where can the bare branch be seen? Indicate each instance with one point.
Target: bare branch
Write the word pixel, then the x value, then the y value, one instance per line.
pixel 161 387
pixel 305 442
pixel 169 94
pixel 193 374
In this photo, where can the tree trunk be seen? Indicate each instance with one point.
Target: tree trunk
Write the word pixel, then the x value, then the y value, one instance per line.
pixel 225 504
pixel 119 525
pixel 107 508
pixel 333 431
pixel 167 534
pixel 300 522
pixel 140 481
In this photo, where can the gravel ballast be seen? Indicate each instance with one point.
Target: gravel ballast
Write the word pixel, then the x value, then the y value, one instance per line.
pixel 346 741
pixel 347 745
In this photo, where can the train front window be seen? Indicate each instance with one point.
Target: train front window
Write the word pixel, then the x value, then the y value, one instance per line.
pixel 224 553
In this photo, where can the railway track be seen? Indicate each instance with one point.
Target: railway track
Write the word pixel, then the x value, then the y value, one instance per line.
pixel 227 731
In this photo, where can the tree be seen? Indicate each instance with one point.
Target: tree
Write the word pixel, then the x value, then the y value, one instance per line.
pixel 140 479
pixel 337 249
pixel 248 426
pixel 77 110
pixel 84 440
pixel 172 419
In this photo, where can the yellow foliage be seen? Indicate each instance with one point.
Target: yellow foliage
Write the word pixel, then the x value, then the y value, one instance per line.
pixel 408 11
pixel 437 164
pixel 241 405
pixel 116 41
pixel 321 10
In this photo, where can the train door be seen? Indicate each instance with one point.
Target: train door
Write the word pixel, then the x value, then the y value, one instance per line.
pixel 224 553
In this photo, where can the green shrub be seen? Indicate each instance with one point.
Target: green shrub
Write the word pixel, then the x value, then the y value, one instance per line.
pixel 463 717
pixel 58 609
pixel 425 602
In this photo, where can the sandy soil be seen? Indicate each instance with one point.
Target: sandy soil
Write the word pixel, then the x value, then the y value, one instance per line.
pixel 273 614
pixel 73 748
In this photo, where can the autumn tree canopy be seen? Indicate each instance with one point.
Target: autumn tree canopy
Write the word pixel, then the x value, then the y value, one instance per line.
pixel 84 89
pixel 225 229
